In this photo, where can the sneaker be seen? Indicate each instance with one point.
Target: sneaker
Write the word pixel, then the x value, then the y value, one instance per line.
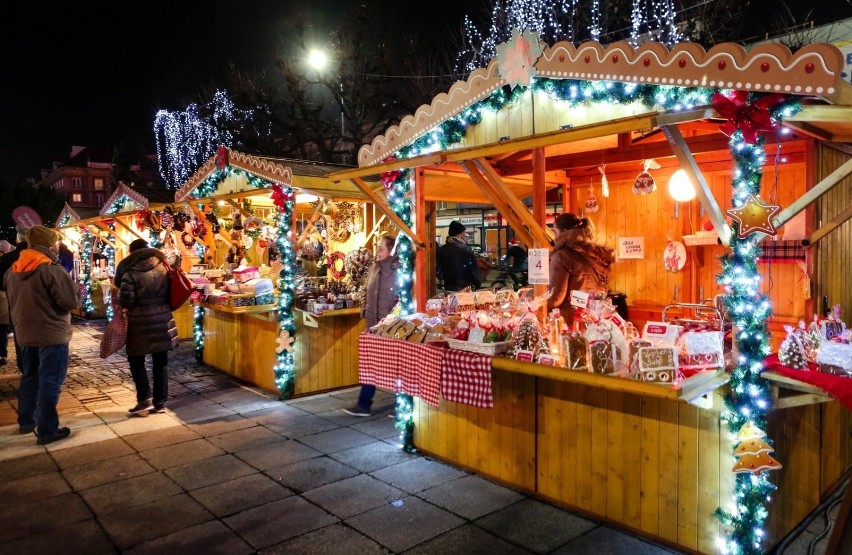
pixel 157 410
pixel 357 411
pixel 141 409
pixel 61 433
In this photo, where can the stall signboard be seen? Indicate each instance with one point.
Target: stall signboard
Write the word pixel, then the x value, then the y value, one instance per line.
pixel 538 264
pixel 580 299
pixel 631 247
pixel 25 217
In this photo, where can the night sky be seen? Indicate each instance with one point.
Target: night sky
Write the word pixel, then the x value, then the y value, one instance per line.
pixel 95 72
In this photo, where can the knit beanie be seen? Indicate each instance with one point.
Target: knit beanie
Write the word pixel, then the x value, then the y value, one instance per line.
pixel 456 227
pixel 40 236
pixel 570 221
pixel 138 244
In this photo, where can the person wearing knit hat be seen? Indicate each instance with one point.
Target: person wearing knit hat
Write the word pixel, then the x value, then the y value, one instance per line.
pixel 456 262
pixel 41 296
pixel 576 263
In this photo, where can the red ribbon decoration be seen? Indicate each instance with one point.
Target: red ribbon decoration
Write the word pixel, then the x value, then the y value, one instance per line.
pixel 222 157
pixel 389 177
pixel 279 197
pixel 750 119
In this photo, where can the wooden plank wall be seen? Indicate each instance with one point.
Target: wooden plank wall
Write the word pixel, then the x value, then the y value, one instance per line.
pixel 834 251
pixel 241 346
pixel 646 283
pixel 185 320
pixel 327 356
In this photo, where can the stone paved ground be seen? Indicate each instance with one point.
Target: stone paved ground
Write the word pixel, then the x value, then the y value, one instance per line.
pixel 229 469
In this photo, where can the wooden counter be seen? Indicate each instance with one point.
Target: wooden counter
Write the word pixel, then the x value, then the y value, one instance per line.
pixel 184 319
pixel 632 453
pixel 241 341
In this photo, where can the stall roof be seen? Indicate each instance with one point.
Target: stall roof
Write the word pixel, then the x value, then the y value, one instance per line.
pixel 69 217
pixel 307 176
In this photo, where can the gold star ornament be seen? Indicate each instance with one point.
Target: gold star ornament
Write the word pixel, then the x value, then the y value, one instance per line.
pixel 754 216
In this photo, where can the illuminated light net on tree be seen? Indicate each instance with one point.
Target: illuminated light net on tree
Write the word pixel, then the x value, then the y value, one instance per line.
pixel 558 20
pixel 185 140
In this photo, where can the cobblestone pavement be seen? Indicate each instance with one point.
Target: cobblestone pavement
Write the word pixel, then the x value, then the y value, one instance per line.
pixel 230 469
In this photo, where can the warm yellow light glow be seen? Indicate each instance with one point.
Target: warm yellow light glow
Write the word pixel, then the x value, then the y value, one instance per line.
pixel 317 59
pixel 302 198
pixel 221 203
pixel 680 187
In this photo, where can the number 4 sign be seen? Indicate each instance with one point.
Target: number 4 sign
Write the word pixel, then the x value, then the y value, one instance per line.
pixel 538 263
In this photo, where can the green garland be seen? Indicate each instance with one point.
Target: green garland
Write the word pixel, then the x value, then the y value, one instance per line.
pixel 198 332
pixel 86 282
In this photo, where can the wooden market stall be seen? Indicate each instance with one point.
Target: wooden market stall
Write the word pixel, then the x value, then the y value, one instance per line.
pixel 233 188
pixel 79 231
pixel 641 455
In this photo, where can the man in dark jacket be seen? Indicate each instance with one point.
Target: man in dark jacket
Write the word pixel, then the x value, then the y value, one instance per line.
pixel 41 294
pixel 143 280
pixel 456 262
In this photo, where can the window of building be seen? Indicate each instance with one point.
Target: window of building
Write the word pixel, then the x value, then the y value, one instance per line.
pixel 76 197
pixel 76 182
pixel 99 198
pixel 57 185
pixel 99 184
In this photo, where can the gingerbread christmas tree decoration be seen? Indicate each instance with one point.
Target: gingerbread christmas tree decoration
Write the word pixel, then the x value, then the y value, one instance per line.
pixel 749 430
pixel 754 446
pixel 756 463
pixel 754 216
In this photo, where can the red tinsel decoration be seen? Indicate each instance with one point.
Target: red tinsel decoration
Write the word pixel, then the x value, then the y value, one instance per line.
pixel 142 219
pixel 279 197
pixel 389 177
pixel 750 119
pixel 222 157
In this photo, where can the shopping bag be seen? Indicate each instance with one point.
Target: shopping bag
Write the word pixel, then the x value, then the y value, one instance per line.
pixel 115 334
pixel 180 288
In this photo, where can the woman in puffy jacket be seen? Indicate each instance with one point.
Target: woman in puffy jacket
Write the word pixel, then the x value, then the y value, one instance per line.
pixel 143 282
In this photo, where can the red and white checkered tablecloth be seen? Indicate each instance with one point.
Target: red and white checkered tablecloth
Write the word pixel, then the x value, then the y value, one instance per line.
pixel 412 368
pixel 466 378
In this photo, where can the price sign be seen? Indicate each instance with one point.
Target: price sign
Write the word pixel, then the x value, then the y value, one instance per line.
pixel 631 247
pixel 580 298
pixel 538 262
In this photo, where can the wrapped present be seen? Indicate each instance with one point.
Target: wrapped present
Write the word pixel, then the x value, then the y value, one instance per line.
pixel 658 364
pixel 701 350
pixel 237 300
pixel 576 347
pixel 792 352
pixel 265 298
pixel 246 273
pixel 835 358
pixel 633 353
pixel 661 334
pixel 218 297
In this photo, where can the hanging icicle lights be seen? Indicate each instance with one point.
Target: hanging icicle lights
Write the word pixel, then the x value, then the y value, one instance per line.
pixel 186 139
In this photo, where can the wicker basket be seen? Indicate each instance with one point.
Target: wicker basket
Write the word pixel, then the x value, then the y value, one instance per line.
pixel 490 349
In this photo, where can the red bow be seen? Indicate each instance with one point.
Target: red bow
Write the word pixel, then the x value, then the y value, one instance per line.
pixel 280 197
pixel 750 119
pixel 222 157
pixel 389 177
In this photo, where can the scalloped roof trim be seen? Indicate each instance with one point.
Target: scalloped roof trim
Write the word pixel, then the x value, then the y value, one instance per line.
pixel 255 165
pixel 123 191
pixel 813 70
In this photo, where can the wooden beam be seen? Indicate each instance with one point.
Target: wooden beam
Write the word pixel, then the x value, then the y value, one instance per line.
pixel 421 285
pixel 111 232
pixel 383 206
pixel 808 130
pixel 539 193
pixel 835 222
pixel 538 233
pixel 705 194
pixel 238 207
pixel 374 230
pixel 499 203
pixel 107 241
pixel 128 228
pixel 813 194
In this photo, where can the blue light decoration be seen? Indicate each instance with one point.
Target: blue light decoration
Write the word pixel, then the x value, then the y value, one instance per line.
pixel 186 139
pixel 110 255
pixel 85 280
pixel 748 399
pixel 284 199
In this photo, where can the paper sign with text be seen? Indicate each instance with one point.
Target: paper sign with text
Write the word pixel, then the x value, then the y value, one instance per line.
pixel 580 299
pixel 631 247
pixel 538 263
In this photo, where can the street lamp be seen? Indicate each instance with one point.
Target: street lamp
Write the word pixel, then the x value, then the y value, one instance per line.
pixel 318 60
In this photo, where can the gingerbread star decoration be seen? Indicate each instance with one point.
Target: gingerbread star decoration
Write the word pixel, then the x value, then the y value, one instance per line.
pixel 754 216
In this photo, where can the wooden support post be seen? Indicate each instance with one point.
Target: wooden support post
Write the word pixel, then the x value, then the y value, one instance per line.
pixel 107 241
pixel 421 256
pixel 705 195
pixel 539 210
pixel 566 198
pixel 541 235
pixel 383 206
pixel 499 203
pixel 238 207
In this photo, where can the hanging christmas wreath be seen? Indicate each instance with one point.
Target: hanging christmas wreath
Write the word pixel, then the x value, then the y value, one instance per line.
pixel 188 239
pixel 337 264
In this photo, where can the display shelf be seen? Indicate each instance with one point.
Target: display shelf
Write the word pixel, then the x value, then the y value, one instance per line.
pixel 263 311
pixel 332 313
pixel 805 394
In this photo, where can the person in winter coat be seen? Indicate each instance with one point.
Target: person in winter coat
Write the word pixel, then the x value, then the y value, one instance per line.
pixel 41 294
pixel 5 249
pixel 456 262
pixel 380 300
pixel 66 257
pixel 576 263
pixel 143 282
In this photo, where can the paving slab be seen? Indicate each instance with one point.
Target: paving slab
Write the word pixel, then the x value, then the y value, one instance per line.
pixel 161 438
pixel 535 525
pixel 471 497
pixel 373 456
pixel 273 455
pixel 470 539
pixel 418 474
pixel 223 425
pixel 39 486
pixel 353 496
pixel 131 492
pixel 335 539
pixel 292 517
pixel 79 538
pixel 336 440
pixel 181 453
pixel 20 467
pixel 39 516
pixel 83 436
pixel 234 496
pixel 604 540
pixel 210 538
pixel 312 473
pixel 245 439
pixel 135 525
pixel 103 472
pixel 206 472
pixel 299 426
pixel 91 452
pixel 404 523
